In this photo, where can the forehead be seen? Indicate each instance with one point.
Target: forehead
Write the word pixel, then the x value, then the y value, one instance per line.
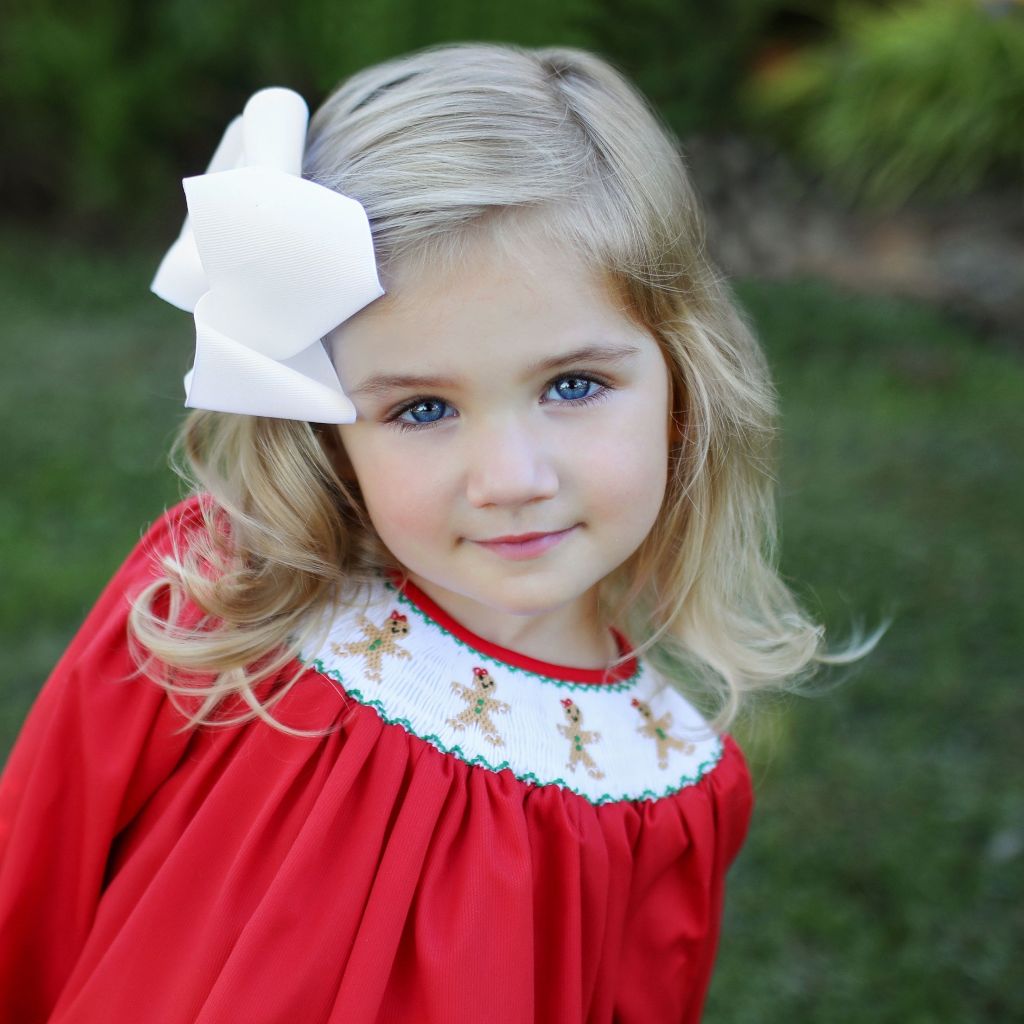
pixel 497 306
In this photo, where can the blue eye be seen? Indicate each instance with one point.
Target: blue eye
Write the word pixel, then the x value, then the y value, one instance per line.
pixel 428 410
pixel 573 388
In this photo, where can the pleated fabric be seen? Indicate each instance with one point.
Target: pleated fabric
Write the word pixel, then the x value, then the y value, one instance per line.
pixel 244 875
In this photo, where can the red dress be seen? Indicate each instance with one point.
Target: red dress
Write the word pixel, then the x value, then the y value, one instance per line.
pixel 486 838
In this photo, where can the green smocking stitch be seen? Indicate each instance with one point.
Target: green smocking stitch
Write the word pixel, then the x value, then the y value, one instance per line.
pixel 479 760
pixel 626 684
pixel 648 794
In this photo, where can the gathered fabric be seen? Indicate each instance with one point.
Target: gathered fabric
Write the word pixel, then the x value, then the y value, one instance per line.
pixel 372 875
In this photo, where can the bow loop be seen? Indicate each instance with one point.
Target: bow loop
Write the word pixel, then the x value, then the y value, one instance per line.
pixel 274 130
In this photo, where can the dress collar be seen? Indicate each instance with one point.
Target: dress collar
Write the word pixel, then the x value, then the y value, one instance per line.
pixel 630 737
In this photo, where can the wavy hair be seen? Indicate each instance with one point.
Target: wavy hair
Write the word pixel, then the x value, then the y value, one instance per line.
pixel 443 147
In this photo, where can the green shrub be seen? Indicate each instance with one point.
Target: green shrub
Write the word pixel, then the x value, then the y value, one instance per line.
pixel 919 99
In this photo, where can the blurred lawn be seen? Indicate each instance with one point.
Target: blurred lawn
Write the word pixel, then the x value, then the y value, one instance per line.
pixel 883 876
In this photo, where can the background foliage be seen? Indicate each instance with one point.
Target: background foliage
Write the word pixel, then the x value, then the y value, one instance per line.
pixel 110 102
pixel 106 103
pixel 910 99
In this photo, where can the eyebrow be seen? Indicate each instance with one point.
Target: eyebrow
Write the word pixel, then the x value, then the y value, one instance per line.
pixel 381 383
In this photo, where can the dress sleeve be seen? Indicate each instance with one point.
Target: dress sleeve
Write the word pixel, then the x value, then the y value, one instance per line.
pixel 97 742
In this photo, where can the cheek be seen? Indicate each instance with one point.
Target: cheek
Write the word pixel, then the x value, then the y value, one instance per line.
pixel 628 470
pixel 633 496
pixel 399 491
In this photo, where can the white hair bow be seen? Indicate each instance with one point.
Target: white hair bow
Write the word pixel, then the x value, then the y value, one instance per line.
pixel 269 263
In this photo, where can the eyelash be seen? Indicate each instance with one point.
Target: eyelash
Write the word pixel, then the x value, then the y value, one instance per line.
pixel 598 396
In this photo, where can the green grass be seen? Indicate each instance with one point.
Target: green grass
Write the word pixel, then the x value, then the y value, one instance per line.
pixel 883 877
pixel 882 880
pixel 90 374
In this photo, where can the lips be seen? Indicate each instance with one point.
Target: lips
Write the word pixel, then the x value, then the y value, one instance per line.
pixel 519 538
pixel 517 547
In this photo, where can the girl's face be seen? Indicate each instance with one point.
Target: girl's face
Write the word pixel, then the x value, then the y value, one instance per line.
pixel 509 400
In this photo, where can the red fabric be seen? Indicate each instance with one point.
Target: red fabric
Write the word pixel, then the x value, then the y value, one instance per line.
pixel 245 875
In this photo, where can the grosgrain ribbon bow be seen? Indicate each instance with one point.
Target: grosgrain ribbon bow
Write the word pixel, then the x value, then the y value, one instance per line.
pixel 269 263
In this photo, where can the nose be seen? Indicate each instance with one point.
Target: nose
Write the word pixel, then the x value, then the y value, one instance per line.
pixel 509 465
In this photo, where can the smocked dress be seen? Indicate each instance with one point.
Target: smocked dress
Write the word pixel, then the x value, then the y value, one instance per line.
pixel 486 837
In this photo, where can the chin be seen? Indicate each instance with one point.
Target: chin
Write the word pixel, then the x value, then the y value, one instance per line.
pixel 526 596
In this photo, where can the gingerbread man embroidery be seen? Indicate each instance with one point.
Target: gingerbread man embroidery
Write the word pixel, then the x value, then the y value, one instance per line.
pixel 657 729
pixel 379 640
pixel 579 738
pixel 481 705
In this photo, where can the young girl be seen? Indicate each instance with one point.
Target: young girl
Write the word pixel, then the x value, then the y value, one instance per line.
pixel 387 721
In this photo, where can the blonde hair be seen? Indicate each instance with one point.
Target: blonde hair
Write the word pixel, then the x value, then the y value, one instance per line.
pixel 454 144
